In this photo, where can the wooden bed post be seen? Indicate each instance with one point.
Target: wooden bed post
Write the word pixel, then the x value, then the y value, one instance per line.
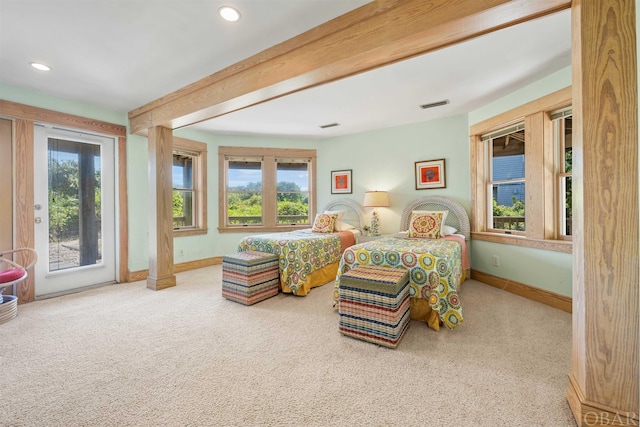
pixel 160 209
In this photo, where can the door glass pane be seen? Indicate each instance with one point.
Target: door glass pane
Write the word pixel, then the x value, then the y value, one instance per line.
pixel 75 213
pixel 244 193
pixel 293 193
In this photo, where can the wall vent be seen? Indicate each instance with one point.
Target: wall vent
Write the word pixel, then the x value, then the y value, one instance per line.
pixel 330 125
pixel 434 104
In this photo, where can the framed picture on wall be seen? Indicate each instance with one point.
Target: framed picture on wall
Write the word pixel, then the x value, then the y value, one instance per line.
pixel 430 174
pixel 341 182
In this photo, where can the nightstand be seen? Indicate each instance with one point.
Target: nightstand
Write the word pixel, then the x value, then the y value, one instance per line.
pixel 362 239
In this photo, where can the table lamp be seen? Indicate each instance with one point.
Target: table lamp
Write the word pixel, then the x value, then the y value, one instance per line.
pixel 375 199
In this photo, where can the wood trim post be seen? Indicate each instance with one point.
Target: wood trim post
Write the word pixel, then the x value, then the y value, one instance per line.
pixel 123 211
pixel 604 367
pixel 24 202
pixel 160 209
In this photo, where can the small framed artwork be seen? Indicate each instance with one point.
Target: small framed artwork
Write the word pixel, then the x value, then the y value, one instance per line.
pixel 341 182
pixel 430 174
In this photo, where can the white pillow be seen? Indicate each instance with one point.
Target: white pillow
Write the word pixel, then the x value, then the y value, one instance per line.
pixel 448 230
pixel 343 226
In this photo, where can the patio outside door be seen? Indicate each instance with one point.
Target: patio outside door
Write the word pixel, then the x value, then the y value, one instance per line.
pixel 74 189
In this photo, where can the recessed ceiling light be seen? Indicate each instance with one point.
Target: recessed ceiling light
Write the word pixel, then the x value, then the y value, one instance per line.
pixel 229 14
pixel 39 66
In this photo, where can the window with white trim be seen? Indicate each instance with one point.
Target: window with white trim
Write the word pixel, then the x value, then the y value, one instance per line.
pixel 267 189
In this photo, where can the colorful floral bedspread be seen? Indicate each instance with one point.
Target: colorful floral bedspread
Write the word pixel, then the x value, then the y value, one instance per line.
pixel 300 252
pixel 435 269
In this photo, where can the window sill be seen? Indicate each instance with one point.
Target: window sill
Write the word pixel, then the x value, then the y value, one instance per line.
pixel 261 229
pixel 549 245
pixel 190 232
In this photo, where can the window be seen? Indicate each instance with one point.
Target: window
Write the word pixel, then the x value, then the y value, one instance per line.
pixel 562 134
pixel 183 189
pixel 293 191
pixel 244 191
pixel 521 175
pixel 506 185
pixel 267 189
pixel 189 174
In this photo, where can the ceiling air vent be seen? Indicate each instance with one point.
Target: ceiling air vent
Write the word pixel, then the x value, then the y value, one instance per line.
pixel 330 125
pixel 434 104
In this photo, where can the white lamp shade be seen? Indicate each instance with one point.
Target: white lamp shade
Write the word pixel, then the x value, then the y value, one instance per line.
pixel 376 199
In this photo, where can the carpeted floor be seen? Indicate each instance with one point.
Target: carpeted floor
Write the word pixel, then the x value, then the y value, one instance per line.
pixel 124 355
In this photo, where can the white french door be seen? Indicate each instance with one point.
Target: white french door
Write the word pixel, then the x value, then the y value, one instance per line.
pixel 74 194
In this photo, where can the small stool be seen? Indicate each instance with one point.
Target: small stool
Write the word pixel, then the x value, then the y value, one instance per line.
pixel 373 304
pixel 250 277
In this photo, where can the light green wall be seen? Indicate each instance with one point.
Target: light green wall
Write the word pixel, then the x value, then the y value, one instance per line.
pixel 549 84
pixel 215 243
pixel 193 247
pixel 384 160
pixel 380 160
pixel 547 270
pixel 55 103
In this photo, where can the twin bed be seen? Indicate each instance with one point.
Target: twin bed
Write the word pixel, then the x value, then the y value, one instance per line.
pixel 436 266
pixel 309 259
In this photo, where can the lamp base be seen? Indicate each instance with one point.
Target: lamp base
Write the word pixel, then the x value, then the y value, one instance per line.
pixel 375 224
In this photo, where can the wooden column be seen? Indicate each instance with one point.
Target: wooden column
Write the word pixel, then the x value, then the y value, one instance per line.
pixel 6 187
pixel 24 202
pixel 160 209
pixel 123 211
pixel 604 374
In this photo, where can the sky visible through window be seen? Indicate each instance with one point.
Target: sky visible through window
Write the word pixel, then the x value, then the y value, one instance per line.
pixel 241 177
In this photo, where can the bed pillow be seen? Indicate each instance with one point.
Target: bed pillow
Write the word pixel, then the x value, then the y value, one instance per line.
pixel 427 224
pixel 448 230
pixel 339 222
pixel 343 226
pixel 324 223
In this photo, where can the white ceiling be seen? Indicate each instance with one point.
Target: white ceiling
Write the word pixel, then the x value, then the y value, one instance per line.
pixel 121 54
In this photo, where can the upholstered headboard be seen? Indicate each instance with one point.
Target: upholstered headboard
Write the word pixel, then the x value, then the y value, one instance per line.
pixel 354 214
pixel 456 218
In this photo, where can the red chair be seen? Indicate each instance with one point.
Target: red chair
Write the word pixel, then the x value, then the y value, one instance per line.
pixel 15 273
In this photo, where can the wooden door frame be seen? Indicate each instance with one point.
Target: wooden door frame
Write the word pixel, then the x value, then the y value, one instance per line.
pixel 24 117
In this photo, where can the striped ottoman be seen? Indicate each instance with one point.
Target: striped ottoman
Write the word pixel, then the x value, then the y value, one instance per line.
pixel 373 304
pixel 250 277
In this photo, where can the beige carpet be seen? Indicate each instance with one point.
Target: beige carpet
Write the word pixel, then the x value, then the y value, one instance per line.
pixel 123 355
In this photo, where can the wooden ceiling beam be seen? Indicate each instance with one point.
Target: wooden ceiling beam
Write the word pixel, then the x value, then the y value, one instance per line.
pixel 374 35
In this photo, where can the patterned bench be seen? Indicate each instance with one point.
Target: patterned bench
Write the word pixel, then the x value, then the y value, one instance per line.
pixel 250 277
pixel 373 304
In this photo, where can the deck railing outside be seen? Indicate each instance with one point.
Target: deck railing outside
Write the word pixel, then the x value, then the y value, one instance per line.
pixel 515 223
pixel 282 219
